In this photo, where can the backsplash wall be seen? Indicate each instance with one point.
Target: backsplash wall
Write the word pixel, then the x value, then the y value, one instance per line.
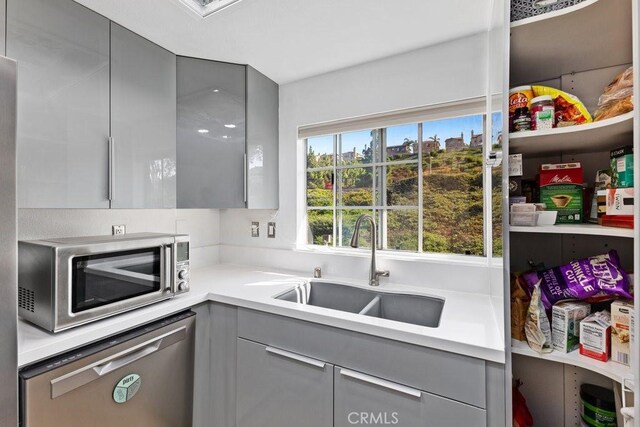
pixel 203 225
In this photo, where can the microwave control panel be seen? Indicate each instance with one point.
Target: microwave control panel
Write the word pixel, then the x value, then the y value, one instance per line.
pixel 182 267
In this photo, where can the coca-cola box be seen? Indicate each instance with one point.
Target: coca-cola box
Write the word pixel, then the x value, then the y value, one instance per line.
pixel 561 189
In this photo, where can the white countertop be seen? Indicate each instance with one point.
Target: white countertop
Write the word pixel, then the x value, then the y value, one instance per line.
pixel 468 324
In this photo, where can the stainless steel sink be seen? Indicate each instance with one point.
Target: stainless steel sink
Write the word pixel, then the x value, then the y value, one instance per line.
pixel 329 295
pixel 414 309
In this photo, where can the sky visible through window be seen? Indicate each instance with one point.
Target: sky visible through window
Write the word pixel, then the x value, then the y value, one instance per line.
pixel 444 129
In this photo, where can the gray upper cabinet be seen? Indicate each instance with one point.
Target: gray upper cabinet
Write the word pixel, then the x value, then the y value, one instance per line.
pixel 262 141
pixel 143 122
pixel 62 49
pixel 227 136
pixel 277 388
pixel 211 134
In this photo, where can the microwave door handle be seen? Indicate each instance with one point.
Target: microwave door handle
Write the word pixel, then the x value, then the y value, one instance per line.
pixel 76 379
pixel 167 262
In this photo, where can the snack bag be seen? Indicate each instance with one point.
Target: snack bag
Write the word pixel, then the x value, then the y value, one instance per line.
pixel 590 277
pixel 617 97
pixel 569 110
pixel 537 328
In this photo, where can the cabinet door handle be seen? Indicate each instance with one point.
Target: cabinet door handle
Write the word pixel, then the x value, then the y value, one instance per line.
pixel 111 167
pixel 381 383
pixel 244 177
pixel 297 357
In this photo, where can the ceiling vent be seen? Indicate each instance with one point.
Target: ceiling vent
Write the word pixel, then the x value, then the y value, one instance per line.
pixel 205 8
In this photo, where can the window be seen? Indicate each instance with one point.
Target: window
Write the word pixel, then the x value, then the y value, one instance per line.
pixel 422 182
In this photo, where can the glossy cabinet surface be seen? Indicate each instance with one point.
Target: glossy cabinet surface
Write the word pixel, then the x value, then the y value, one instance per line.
pixel 62 49
pixel 210 134
pixel 365 399
pixel 262 141
pixel 143 122
pixel 276 388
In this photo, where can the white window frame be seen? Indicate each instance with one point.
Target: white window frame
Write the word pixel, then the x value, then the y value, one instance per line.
pixel 467 107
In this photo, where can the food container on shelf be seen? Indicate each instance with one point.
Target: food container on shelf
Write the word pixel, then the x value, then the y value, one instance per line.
pixel 522 9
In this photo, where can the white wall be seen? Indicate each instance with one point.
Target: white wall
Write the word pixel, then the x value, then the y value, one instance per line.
pixel 202 225
pixel 447 72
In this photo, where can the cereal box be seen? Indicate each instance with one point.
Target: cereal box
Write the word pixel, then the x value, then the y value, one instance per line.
pixel 565 324
pixel 621 312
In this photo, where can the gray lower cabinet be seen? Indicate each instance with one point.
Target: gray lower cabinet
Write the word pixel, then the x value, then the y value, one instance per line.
pixel 227 136
pixel 62 50
pixel 362 399
pixel 143 122
pixel 278 388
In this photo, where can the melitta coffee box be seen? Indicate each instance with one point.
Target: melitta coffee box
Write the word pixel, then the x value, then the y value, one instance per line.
pixel 595 336
pixel 621 312
pixel 565 324
pixel 561 189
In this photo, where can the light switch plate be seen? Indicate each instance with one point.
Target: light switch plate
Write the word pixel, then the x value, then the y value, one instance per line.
pixel 271 230
pixel 255 229
pixel 118 229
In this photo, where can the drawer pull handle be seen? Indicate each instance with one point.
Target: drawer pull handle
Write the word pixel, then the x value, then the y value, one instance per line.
pixel 381 383
pixel 298 357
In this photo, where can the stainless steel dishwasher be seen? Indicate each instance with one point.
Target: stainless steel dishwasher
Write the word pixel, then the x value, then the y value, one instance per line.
pixel 143 377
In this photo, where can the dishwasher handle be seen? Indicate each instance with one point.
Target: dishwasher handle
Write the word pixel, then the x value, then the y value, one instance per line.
pixel 76 379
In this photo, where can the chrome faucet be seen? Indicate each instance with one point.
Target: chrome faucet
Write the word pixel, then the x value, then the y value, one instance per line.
pixel 374 273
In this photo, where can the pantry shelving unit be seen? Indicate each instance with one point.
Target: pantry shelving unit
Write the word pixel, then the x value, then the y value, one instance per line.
pixel 578 49
pixel 604 135
pixel 613 370
pixel 575 229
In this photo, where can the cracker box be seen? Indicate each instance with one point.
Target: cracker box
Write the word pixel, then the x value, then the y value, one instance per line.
pixel 595 336
pixel 565 324
pixel 620 201
pixel 622 167
pixel 561 189
pixel 621 312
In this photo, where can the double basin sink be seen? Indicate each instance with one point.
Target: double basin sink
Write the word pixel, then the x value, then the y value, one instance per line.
pixel 406 308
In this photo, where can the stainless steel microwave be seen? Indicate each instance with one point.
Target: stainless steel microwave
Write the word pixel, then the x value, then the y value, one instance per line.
pixel 67 282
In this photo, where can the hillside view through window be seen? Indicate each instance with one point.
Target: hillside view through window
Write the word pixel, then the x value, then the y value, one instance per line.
pixel 422 182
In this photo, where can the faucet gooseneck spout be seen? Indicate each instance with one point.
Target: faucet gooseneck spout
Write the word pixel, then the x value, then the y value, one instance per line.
pixel 374 273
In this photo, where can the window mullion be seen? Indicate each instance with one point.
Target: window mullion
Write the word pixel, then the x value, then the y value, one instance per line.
pixel 420 192
pixel 337 223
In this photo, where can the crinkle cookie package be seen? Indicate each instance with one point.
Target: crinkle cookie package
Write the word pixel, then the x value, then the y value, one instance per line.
pixel 586 278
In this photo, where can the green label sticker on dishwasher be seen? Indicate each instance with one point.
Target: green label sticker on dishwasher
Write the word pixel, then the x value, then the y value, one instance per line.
pixel 126 388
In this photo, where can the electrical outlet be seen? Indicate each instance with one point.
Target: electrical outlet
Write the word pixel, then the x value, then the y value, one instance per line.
pixel 271 230
pixel 255 229
pixel 118 229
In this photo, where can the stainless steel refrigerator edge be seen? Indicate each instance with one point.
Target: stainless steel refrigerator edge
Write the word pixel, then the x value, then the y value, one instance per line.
pixel 8 246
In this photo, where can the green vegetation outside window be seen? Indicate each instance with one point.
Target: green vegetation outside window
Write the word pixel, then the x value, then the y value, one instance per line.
pixel 422 182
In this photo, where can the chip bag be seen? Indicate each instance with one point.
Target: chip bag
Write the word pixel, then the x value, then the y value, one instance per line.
pixel 586 278
pixel 569 110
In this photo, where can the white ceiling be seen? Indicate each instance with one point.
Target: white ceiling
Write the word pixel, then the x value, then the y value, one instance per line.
pixel 289 40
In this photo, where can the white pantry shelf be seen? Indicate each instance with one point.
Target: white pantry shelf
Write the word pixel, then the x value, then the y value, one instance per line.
pixel 590 35
pixel 591 137
pixel 583 229
pixel 613 370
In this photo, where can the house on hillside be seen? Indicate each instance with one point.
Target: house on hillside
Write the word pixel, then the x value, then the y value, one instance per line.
pixel 454 143
pixel 351 156
pixel 396 150
pixel 476 140
pixel 430 146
